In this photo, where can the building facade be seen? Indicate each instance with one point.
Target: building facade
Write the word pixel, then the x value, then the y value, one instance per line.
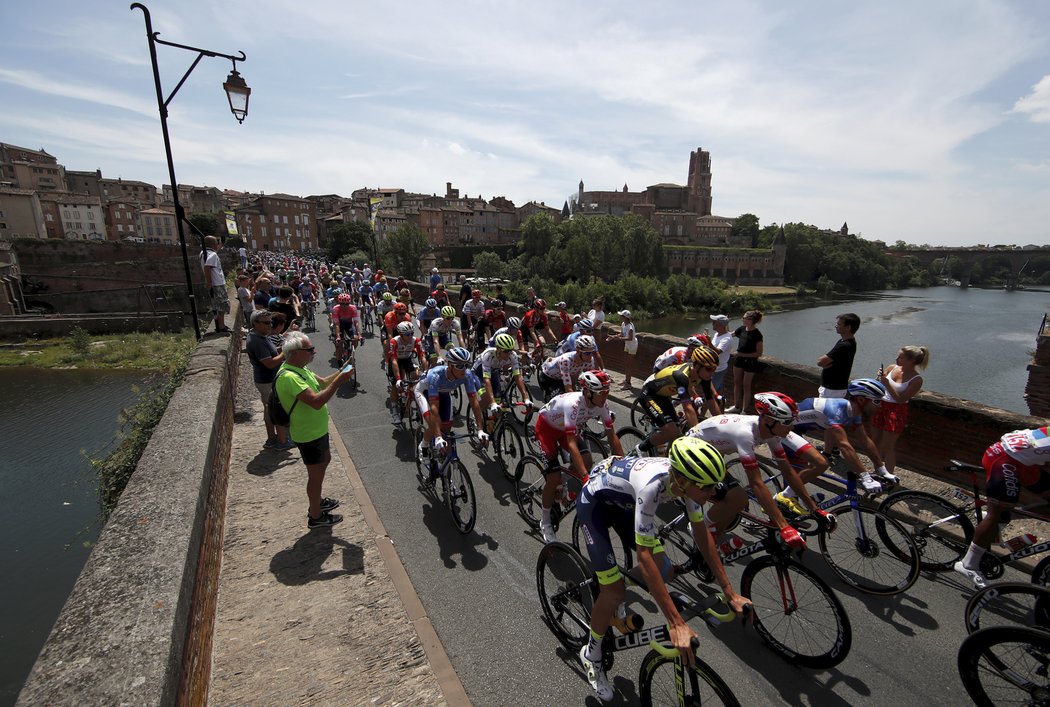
pixel 279 222
pixel 20 214
pixel 157 225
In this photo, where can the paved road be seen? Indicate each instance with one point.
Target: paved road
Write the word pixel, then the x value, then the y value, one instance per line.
pixel 480 593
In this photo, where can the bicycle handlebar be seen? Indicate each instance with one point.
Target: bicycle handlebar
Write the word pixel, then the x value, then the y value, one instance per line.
pixel 668 652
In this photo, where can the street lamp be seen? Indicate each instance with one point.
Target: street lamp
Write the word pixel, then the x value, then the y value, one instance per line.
pixel 237 92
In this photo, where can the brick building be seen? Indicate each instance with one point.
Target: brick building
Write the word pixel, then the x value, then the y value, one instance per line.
pixel 278 222
pixel 73 216
pixel 157 225
pixel 20 214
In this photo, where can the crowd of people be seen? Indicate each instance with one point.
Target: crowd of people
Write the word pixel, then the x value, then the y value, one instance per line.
pixel 467 339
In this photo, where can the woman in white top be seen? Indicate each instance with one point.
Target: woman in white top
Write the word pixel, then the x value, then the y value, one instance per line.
pixel 630 346
pixel 597 317
pixel 902 383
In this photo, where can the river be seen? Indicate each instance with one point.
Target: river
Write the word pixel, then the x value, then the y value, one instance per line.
pixel 49 511
pixel 980 341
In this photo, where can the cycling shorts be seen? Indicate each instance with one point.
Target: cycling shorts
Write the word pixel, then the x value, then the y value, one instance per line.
pixel 1006 477
pixel 347 326
pixel 496 380
pixel 407 366
pixel 596 520
pixel 550 385
pixel 444 405
pixel 659 409
pixel 551 439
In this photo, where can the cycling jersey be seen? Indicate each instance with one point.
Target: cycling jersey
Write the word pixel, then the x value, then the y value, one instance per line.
pixel 345 314
pixel 392 319
pixel 671 380
pixel 567 367
pixel 475 309
pixel 569 412
pixel 446 326
pixel 365 293
pixel 402 348
pixel 516 333
pixel 490 361
pixel 671 357
pixel 1030 447
pixel 427 315
pixel 495 318
pixel 1017 461
pixel 570 342
pixel 437 382
pixel 821 413
pixel 384 308
pixel 535 319
pixel 738 434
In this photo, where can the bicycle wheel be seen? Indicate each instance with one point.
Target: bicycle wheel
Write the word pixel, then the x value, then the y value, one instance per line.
pixel 509 450
pixel 774 483
pixel 1041 573
pixel 638 417
pixel 417 439
pixel 457 401
pixel 665 681
pixel 459 495
pixel 1013 603
pixel 677 539
pixel 941 530
pixel 1004 665
pixel 528 492
pixel 512 398
pixel 857 551
pixel 630 439
pixel 796 613
pixel 567 590
pixel 623 550
pixel 599 447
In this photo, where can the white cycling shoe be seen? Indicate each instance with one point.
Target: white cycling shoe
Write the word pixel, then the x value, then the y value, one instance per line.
pixel 548 534
pixel 973 575
pixel 887 477
pixel 869 486
pixel 596 677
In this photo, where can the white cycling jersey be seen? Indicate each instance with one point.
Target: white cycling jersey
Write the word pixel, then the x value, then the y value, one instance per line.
pixel 567 367
pixel 490 361
pixel 671 357
pixel 1030 447
pixel 739 434
pixel 569 412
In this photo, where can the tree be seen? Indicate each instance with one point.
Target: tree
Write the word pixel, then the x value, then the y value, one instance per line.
pixel 404 250
pixel 202 225
pixel 745 227
pixel 538 235
pixel 346 237
pixel 488 264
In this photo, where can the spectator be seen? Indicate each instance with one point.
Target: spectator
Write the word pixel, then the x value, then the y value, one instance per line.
pixel 464 295
pixel 265 360
pixel 244 294
pixel 837 364
pixel 722 342
pixel 216 281
pixel 242 252
pixel 263 295
pixel 902 383
pixel 565 319
pixel 435 278
pixel 597 317
pixel 630 346
pixel 530 299
pixel 305 397
pixel 501 296
pixel 748 351
pixel 283 303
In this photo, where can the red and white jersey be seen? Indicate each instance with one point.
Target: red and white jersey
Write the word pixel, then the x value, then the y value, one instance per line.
pixel 1031 447
pixel 567 367
pixel 402 347
pixel 737 434
pixel 569 412
pixel 671 357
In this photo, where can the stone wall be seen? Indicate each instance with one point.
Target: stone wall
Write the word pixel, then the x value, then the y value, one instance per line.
pixel 137 627
pixel 28 325
pixel 1037 391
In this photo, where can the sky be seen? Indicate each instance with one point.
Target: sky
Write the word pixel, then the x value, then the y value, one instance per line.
pixel 927 122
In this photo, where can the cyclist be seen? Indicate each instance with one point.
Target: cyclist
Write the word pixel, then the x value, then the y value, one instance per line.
pixel 380 288
pixel 622 495
pixel 513 327
pixel 536 325
pixel 584 327
pixel 474 311
pixel 427 314
pixel 558 374
pixel 434 400
pixel 385 304
pixel 404 296
pixel 1019 459
pixel 447 327
pixel 841 420
pixel 494 319
pixel 347 323
pixel 401 369
pixel 392 319
pixel 441 295
pixel 559 426
pixel 683 380
pixel 365 296
pixel 501 356
pixel 677 354
pixel 740 434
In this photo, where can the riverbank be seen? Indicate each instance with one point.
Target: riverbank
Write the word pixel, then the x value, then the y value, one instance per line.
pixel 149 351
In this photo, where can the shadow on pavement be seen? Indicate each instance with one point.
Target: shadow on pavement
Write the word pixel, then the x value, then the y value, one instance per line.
pixel 303 562
pixel 268 461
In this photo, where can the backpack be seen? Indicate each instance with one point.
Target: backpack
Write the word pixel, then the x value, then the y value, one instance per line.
pixel 278 415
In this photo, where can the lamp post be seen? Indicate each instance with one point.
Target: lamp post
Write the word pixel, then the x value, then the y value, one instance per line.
pixel 237 92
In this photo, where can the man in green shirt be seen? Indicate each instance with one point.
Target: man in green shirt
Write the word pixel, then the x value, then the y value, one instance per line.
pixel 306 397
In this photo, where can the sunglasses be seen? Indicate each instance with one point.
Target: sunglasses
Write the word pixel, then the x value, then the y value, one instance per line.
pixel 311 349
pixel 458 366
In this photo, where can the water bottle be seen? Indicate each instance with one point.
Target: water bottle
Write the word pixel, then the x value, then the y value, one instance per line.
pixel 730 545
pixel 1020 542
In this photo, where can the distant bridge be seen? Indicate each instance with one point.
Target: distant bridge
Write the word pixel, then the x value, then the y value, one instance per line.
pixel 1015 257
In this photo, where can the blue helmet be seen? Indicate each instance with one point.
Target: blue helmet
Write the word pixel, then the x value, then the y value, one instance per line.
pixel 866 388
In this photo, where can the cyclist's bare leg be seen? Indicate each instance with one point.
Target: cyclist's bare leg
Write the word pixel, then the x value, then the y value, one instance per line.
pixel 721 514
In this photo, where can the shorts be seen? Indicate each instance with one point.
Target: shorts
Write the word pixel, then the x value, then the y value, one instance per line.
pixel 1006 477
pixel 748 365
pixel 596 520
pixel 220 299
pixel 659 409
pixel 890 417
pixel 630 347
pixel 314 451
pixel 551 439
pixel 823 392
pixel 495 379
pixel 444 404
pixel 407 366
pixel 551 385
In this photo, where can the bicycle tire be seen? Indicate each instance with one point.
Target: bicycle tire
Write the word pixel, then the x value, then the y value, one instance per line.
pixel 864 564
pixel 807 627
pixel 528 491
pixel 421 468
pixel 1041 573
pixel 459 495
pixel 457 401
pixel 678 544
pixel 1005 665
pixel 512 398
pixel 1009 603
pixel 658 683
pixel 638 417
pixel 567 589
pixel 599 448
pixel 630 439
pixel 941 542
pixel 509 450
pixel 531 441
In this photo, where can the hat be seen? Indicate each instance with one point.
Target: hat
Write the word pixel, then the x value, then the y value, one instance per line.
pixel 258 313
pixel 561 305
pixel 625 313
pixel 719 318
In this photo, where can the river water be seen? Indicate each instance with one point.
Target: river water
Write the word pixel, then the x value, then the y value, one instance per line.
pixel 49 512
pixel 980 341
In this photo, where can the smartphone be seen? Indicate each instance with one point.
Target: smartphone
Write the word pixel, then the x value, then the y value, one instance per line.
pixel 347 368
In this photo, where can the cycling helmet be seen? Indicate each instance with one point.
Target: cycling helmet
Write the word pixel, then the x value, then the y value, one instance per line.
pixel 431 302
pixel 777 406
pixel 594 381
pixel 441 286
pixel 541 303
pixel 457 355
pixel 448 311
pixel 866 388
pixel 388 296
pixel 697 461
pixel 704 356
pixel 585 324
pixel 404 328
pixel 475 293
pixel 513 323
pixel 433 269
pixel 405 292
pixel 694 341
pixel 561 305
pixel 586 343
pixel 344 299
pixel 400 307
pixel 505 342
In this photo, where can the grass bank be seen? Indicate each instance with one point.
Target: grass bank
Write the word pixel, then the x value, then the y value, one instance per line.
pixel 154 351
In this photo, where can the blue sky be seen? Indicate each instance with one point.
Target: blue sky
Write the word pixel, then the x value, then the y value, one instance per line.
pixel 927 122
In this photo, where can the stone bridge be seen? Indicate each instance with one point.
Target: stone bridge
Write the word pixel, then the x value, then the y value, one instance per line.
pixel 1015 257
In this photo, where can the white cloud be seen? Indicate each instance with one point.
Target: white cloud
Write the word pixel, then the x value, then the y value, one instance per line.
pixel 1036 105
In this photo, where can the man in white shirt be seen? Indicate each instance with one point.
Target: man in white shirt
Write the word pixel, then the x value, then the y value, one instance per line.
pixel 723 342
pixel 215 280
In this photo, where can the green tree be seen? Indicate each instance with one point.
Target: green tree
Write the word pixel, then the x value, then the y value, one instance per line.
pixel 745 226
pixel 488 264
pixel 202 225
pixel 350 236
pixel 404 250
pixel 538 236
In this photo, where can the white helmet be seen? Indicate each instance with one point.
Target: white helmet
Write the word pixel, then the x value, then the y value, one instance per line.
pixel 585 324
pixel 586 343
pixel 404 328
